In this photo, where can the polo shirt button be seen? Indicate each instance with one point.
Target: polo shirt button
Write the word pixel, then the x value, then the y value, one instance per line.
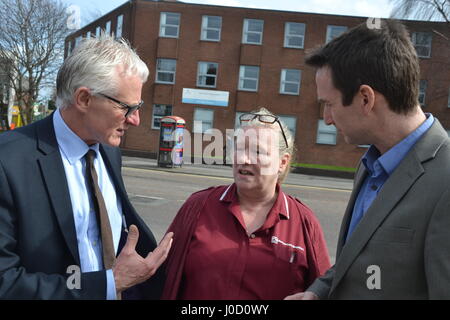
pixel 252 236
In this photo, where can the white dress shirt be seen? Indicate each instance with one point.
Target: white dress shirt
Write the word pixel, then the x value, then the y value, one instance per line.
pixel 73 150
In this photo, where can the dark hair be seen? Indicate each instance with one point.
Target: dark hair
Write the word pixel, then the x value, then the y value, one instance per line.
pixel 383 58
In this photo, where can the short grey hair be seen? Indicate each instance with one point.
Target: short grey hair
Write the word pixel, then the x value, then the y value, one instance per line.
pixel 93 64
pixel 289 149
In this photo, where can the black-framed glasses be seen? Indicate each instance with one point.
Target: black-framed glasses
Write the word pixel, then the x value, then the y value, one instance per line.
pixel 264 118
pixel 129 109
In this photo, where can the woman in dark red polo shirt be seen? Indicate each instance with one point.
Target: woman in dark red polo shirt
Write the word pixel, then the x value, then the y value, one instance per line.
pixel 247 240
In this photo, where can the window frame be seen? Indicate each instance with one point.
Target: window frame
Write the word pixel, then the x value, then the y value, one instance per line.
pixel 194 127
pixel 331 129
pixel 158 71
pixel 283 81
pixel 246 32
pixel 287 35
pixel 108 27
pixel 414 41
pixel 242 78
pixel 204 29
pixel 159 116
pixel 329 27
pixel 206 74
pixel 163 25
pixel 283 118
pixel 423 92
pixel 119 22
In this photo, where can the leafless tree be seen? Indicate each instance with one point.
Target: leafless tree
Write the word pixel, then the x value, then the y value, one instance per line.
pixel 422 9
pixel 32 36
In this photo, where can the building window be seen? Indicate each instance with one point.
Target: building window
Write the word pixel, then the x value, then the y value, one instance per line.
pixel 334 32
pixel 108 27
pixel 326 134
pixel 211 28
pixel 290 81
pixel 422 43
pixel 203 120
pixel 253 31
pixel 165 70
pixel 169 25
pixel 119 26
pixel 422 92
pixel 98 31
pixel 69 49
pixel 294 35
pixel 88 35
pixel 160 111
pixel 291 123
pixel 207 74
pixel 248 78
pixel 78 40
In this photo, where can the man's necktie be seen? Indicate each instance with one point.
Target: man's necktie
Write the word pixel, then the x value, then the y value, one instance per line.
pixel 109 255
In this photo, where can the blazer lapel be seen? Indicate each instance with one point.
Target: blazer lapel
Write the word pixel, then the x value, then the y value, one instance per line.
pixel 398 184
pixel 56 183
pixel 361 174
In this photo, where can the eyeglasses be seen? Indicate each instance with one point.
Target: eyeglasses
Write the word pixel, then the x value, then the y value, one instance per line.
pixel 129 109
pixel 264 118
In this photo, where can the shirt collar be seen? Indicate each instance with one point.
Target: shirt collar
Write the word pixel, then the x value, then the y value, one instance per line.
pixel 387 162
pixel 280 206
pixel 69 142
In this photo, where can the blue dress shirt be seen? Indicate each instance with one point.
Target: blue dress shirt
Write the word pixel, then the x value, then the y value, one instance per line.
pixel 380 168
pixel 73 150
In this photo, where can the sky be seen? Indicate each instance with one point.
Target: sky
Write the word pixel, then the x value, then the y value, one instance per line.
pixel 92 9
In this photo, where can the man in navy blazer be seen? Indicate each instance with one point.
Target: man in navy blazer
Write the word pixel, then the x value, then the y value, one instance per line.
pixel 50 243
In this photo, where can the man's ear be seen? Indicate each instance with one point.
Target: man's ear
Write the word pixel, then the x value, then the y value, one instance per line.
pixel 82 99
pixel 367 95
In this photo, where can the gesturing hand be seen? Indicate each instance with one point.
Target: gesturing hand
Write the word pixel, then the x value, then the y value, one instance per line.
pixel 131 269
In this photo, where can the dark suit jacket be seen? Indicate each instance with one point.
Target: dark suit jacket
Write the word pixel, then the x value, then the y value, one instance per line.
pixel 405 232
pixel 37 231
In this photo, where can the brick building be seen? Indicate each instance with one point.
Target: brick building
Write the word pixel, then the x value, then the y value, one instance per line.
pixel 211 63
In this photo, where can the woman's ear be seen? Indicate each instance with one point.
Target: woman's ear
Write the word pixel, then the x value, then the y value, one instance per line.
pixel 367 95
pixel 284 162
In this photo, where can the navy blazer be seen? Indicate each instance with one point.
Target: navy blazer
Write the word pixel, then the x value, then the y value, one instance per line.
pixel 37 231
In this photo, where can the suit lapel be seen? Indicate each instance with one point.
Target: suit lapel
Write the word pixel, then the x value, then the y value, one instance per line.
pixel 55 180
pixel 398 184
pixel 361 174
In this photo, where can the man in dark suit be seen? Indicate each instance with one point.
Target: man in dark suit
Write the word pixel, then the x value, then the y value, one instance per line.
pixel 394 241
pixel 64 210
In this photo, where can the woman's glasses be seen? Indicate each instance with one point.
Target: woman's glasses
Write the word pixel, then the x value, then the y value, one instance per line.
pixel 269 119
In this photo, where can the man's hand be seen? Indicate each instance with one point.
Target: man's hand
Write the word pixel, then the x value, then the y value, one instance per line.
pixel 131 269
pixel 307 295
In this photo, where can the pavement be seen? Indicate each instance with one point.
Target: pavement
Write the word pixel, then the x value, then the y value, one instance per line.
pixel 222 171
